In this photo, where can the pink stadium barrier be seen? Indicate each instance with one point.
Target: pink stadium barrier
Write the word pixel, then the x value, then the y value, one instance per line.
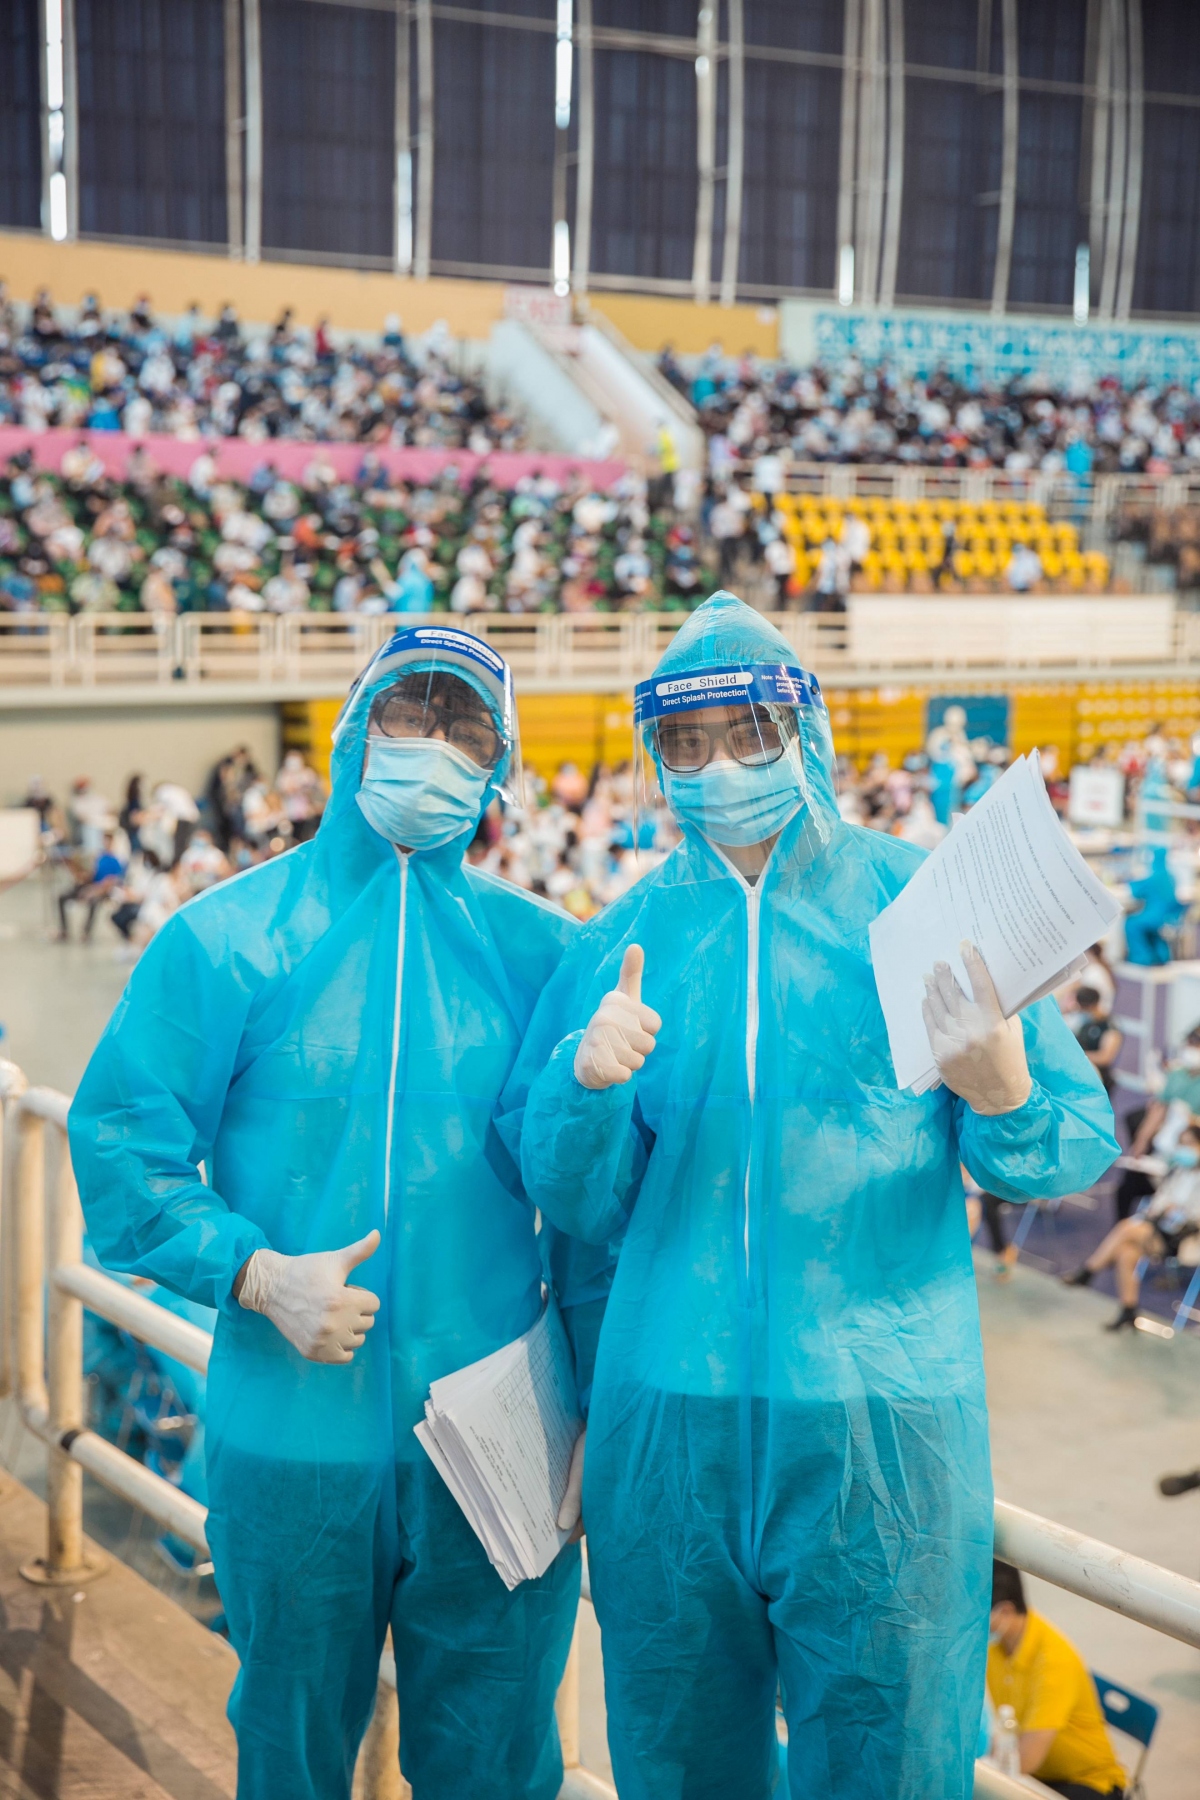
pixel 238 457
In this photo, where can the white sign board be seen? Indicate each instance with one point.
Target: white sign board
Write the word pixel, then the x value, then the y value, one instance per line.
pixel 1097 795
pixel 19 828
pixel 537 306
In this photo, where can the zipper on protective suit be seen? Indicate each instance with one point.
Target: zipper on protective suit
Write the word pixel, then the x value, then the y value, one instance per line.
pixel 753 906
pixel 753 897
pixel 402 859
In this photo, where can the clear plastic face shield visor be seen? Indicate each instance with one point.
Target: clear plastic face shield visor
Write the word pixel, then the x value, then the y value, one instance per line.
pixel 448 686
pixel 720 749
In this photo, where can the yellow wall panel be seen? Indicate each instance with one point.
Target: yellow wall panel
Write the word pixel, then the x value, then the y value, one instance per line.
pixel 1079 718
pixel 650 321
pixel 1040 716
pixel 354 299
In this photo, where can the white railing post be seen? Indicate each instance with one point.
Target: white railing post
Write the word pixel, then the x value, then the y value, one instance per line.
pixel 65 1559
pixel 29 1268
pixel 12 1086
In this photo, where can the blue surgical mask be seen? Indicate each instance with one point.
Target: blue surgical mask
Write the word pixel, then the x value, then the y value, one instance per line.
pixel 729 803
pixel 994 1637
pixel 419 792
pixel 1185 1157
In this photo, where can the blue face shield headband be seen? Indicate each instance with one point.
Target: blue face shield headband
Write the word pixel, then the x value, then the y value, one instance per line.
pixel 444 649
pixel 727 746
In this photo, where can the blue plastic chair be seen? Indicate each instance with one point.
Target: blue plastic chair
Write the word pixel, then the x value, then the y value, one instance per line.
pixel 1128 1712
pixel 1186 1308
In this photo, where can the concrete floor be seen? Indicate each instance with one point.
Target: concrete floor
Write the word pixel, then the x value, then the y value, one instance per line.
pixel 1083 1423
pixel 107 1692
pixel 55 999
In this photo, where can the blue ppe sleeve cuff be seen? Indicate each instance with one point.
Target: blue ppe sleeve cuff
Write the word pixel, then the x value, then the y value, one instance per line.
pixel 574 1145
pixel 1049 1147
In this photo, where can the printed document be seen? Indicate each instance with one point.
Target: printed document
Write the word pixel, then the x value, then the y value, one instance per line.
pixel 1008 879
pixel 500 1434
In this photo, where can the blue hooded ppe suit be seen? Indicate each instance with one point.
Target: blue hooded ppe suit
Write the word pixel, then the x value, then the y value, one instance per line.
pixel 787 1474
pixel 266 1033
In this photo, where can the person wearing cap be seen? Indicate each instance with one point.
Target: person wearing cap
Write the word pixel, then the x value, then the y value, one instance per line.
pixel 289 1119
pixel 786 1482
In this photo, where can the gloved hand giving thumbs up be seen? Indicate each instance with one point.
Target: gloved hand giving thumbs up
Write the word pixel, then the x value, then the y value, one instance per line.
pixel 306 1298
pixel 622 1031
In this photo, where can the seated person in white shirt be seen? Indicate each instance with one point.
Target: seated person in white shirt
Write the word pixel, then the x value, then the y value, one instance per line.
pixel 1167 1222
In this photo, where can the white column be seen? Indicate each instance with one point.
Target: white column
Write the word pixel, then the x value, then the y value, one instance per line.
pixel 254 130
pixel 735 156
pixel 706 145
pixel 1099 221
pixel 423 235
pixel 894 171
pixel 1133 163
pixel 1113 48
pixel 235 125
pixel 847 158
pixel 872 124
pixel 70 163
pixel 585 148
pixel 403 244
pixel 1008 160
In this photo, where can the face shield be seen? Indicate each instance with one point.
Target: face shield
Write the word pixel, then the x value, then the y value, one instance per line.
pixel 428 737
pixel 722 747
pixel 437 684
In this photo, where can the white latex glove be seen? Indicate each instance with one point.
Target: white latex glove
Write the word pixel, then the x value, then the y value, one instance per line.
pixel 306 1298
pixel 570 1513
pixel 622 1031
pixel 979 1053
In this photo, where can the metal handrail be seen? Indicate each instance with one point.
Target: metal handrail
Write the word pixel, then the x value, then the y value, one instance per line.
pixel 880 635
pixel 1095 496
pixel 41 1235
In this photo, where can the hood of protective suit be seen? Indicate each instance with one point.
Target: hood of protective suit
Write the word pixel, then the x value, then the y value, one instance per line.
pixel 408 652
pixel 726 633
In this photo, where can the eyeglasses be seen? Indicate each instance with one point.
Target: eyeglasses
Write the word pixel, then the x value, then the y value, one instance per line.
pixel 750 734
pixel 414 714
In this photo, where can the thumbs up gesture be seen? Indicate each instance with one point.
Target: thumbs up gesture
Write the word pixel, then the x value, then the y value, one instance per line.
pixel 622 1031
pixel 308 1300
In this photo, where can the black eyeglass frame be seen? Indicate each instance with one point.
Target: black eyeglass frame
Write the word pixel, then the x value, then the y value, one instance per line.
pixel 447 719
pixel 785 727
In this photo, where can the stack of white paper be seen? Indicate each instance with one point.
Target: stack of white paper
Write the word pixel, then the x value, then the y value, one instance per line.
pixel 500 1434
pixel 1009 879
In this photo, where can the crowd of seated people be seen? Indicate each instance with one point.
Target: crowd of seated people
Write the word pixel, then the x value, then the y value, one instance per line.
pixel 195 378
pixel 79 541
pixel 858 413
pixel 137 862
pixel 1170 536
pixel 814 551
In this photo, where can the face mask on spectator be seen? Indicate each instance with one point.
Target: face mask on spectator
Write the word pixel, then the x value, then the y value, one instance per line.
pixel 1191 1056
pixel 1186 1156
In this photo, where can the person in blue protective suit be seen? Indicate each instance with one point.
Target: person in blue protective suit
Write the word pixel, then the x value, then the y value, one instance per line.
pixel 787 1475
pixel 328 1035
pixel 1158 908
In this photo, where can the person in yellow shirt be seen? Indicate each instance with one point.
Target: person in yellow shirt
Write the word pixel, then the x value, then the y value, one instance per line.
pixel 1035 1670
